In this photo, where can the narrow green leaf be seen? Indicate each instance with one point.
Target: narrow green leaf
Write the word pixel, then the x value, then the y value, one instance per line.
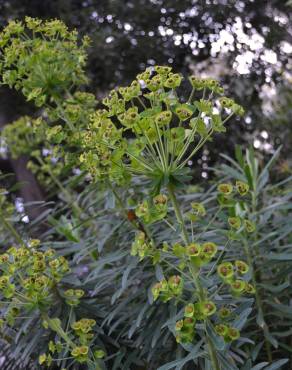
pixel 278 364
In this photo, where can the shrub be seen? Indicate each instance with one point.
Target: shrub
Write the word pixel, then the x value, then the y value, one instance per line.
pixel 135 268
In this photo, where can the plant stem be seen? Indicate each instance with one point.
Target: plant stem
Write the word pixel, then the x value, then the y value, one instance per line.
pixel 256 278
pixel 191 96
pixel 57 328
pixel 199 145
pixel 178 214
pixel 194 272
pixel 212 353
pixel 195 275
pixel 163 154
pixel 63 116
pixel 258 300
pixel 125 212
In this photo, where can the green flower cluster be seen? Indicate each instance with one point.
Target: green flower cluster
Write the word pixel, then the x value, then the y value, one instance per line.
pixel 197 211
pixel 196 254
pixel 236 223
pixel 29 278
pixel 101 148
pixel 23 135
pixel 168 289
pixel 79 341
pixel 42 59
pixel 226 189
pixel 224 329
pixel 150 212
pixel 49 165
pixel 45 61
pixel 73 296
pixel 141 246
pixel 228 333
pixel 75 110
pixel 199 255
pixel 26 136
pixel 185 329
pixel 162 128
pixel 231 274
pixel 237 208
pixel 83 331
pixel 60 143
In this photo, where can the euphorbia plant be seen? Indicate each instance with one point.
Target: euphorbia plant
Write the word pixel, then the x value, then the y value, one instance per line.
pixel 146 129
pixel 31 285
pixel 149 130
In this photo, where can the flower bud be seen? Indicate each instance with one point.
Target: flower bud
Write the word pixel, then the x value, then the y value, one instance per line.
pixel 83 350
pixel 79 293
pixel 226 102
pixel 175 284
pixel 142 209
pixel 197 83
pixel 238 286
pixel 224 312
pixel 179 325
pixel 198 209
pixel 225 270
pixel 249 288
pixel 42 358
pixel 183 112
pixel 242 187
pixel 50 252
pixel 209 249
pixel 207 308
pixel 163 118
pixel 160 199
pixel 233 333
pixel 234 222
pixel 69 293
pixel 154 84
pixel 52 346
pixel 225 189
pixel 241 267
pixel 4 258
pixel 189 310
pixel 163 70
pixel 173 81
pixel 221 329
pixel 34 243
pixel 249 226
pixel 189 322
pixel 193 250
pixel 4 280
pixel 75 352
pixel 144 75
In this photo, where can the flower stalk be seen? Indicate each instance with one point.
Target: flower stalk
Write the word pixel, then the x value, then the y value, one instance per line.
pixel 195 271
